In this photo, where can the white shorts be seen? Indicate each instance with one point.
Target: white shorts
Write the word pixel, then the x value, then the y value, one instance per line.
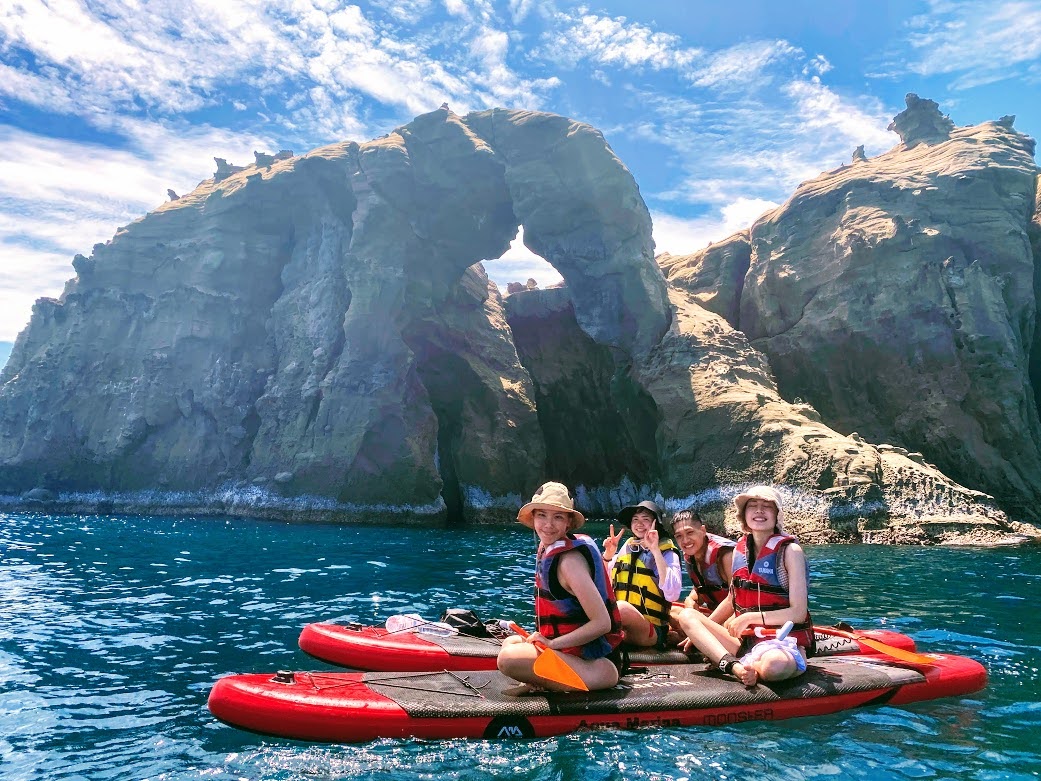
pixel 788 645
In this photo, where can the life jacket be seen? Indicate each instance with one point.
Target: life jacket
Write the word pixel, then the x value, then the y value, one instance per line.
pixel 558 612
pixel 708 583
pixel 759 589
pixel 635 579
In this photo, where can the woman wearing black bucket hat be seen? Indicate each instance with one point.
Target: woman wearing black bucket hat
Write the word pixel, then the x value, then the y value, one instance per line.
pixel 645 573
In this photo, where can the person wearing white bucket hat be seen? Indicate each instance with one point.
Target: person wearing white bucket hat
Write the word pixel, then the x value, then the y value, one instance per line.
pixel 769 587
pixel 575 609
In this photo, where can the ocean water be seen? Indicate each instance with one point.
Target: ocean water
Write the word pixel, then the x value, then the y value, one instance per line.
pixel 113 630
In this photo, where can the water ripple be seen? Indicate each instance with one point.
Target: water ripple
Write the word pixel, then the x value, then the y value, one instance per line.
pixel 114 630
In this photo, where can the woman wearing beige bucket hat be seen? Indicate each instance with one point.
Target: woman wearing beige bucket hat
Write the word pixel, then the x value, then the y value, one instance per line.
pixel 769 587
pixel 575 609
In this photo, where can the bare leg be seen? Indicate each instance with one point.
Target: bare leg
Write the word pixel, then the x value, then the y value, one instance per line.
pixel 638 630
pixel 517 660
pixel 714 642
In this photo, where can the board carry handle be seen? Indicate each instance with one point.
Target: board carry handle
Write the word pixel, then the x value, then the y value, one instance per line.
pixel 551 665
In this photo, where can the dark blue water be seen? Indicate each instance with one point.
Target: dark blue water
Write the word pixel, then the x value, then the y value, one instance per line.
pixel 112 631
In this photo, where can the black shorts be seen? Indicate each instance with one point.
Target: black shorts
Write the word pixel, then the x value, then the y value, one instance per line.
pixel 663 637
pixel 619 657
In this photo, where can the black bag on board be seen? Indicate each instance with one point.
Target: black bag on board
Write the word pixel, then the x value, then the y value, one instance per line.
pixel 465 622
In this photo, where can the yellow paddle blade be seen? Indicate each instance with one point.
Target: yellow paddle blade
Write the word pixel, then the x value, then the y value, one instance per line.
pixel 551 666
pixel 882 648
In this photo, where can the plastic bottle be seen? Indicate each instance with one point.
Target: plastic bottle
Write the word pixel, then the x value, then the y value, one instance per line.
pixel 413 622
pixel 437 628
pixel 406 622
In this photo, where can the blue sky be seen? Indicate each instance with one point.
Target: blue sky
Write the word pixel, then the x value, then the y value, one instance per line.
pixel 719 108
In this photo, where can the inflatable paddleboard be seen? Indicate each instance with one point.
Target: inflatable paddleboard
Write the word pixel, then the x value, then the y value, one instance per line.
pixel 376 649
pixel 353 707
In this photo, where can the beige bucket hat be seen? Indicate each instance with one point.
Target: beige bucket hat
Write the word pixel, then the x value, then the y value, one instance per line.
pixel 766 493
pixel 551 496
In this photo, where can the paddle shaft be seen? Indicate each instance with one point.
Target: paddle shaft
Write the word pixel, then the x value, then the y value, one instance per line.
pixel 882 648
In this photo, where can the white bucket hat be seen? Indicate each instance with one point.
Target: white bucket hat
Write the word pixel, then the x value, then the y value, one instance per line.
pixel 766 493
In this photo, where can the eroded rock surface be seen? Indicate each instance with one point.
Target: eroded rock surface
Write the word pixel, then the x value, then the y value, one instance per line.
pixel 308 329
pixel 313 337
pixel 898 296
pixel 724 425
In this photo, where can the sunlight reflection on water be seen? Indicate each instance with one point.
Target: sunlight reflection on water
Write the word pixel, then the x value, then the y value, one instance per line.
pixel 105 667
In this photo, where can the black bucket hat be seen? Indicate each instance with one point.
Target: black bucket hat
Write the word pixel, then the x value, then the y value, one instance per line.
pixel 627 513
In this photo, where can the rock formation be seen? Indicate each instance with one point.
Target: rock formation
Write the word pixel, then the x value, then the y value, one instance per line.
pixel 898 297
pixel 921 123
pixel 313 337
pixel 309 333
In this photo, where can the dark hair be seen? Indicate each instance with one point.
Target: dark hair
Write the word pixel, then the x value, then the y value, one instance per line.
pixel 690 515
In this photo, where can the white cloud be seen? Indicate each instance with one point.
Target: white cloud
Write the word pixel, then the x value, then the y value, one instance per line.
pixel 518 264
pixel 184 55
pixel 617 42
pixel 758 147
pixel 820 108
pixel 59 198
pixel 679 236
pixel 740 66
pixel 818 65
pixel 982 41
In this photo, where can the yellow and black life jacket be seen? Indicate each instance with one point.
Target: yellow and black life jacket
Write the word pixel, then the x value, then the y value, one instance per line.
pixel 635 579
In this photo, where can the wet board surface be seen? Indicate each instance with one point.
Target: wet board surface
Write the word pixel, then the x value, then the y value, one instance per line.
pixel 676 687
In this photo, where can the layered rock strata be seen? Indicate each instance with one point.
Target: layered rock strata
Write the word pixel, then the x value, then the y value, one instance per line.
pixel 307 333
pixel 898 296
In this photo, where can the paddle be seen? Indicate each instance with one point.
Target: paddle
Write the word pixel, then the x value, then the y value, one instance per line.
pixel 882 648
pixel 551 665
pixel 777 633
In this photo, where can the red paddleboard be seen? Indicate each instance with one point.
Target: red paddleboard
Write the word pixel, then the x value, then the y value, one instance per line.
pixel 374 648
pixel 352 707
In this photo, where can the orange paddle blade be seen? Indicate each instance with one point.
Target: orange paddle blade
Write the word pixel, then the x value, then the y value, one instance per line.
pixel 882 648
pixel 551 665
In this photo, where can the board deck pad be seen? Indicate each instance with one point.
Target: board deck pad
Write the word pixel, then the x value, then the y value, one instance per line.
pixel 463 645
pixel 479 693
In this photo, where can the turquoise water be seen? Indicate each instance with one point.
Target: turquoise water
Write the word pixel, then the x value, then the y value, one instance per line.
pixel 112 631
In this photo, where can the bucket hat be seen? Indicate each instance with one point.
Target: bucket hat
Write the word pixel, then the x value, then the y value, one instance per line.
pixel 550 496
pixel 766 493
pixel 627 513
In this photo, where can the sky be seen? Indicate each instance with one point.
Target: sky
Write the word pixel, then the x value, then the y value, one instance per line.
pixel 719 109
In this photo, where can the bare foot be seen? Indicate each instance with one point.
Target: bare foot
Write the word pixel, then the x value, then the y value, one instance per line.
pixel 521 689
pixel 747 675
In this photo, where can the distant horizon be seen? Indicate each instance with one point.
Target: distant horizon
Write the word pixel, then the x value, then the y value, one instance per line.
pixel 719 112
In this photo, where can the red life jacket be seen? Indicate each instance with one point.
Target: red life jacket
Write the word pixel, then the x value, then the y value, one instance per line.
pixel 709 583
pixel 558 612
pixel 759 589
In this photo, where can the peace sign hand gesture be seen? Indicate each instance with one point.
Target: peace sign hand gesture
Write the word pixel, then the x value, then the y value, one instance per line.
pixel 611 542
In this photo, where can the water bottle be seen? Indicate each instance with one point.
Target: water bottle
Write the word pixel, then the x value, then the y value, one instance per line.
pixel 413 622
pixel 437 628
pixel 407 622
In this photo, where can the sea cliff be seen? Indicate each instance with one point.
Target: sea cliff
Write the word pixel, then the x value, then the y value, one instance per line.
pixel 313 337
